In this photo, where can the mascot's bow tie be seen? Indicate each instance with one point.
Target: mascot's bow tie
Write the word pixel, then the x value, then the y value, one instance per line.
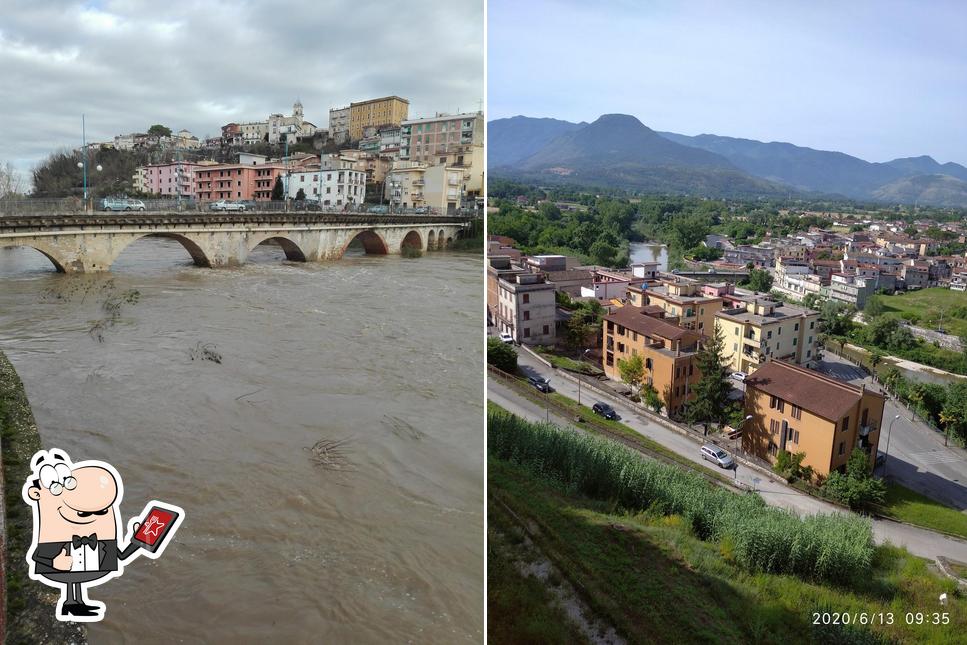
pixel 90 540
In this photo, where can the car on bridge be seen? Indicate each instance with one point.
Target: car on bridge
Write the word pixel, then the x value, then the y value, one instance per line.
pixel 121 204
pixel 378 209
pixel 225 205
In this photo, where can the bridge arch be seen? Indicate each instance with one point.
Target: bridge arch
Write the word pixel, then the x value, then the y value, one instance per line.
pixel 412 240
pixel 441 240
pixel 431 239
pixel 198 255
pixel 58 263
pixel 373 243
pixel 293 252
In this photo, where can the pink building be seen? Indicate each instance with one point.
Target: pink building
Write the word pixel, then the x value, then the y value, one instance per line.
pixel 237 182
pixel 174 179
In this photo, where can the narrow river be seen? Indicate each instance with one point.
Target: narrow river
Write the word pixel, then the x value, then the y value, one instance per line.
pixel 385 353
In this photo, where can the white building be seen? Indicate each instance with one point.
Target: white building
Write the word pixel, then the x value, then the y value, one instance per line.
pixel 336 182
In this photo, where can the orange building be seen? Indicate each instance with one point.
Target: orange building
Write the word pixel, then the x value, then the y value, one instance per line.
pixel 798 410
pixel 237 181
pixel 668 352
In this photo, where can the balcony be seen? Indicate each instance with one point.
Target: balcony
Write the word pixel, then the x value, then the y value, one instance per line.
pixel 865 430
pixel 418 182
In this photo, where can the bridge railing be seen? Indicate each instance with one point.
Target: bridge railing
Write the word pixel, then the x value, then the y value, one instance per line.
pixel 74 205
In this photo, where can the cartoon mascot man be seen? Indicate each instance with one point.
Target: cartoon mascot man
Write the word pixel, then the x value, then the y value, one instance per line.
pixel 76 518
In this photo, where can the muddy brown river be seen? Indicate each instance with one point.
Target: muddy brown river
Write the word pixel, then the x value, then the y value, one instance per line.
pixel 382 352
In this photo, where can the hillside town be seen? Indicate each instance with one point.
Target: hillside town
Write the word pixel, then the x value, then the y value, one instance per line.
pixel 372 152
pixel 641 330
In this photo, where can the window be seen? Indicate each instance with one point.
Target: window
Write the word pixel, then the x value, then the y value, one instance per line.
pixel 797 327
pixel 809 353
pixel 796 412
pixel 794 341
pixel 840 447
pixel 844 426
pixel 546 330
pixel 527 315
pixel 609 359
pixel 812 323
pixel 690 369
pixel 527 332
pixel 736 331
pixel 770 335
pixel 735 347
pixel 779 332
pixel 678 372
pixel 782 406
pixel 527 298
pixel 621 347
pixel 647 363
pixel 795 438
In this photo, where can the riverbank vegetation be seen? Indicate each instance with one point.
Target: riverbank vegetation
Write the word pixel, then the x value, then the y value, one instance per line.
pixel 906 505
pixel 642 567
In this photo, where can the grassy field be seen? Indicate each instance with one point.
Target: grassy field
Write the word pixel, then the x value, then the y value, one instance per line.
pixel 569 364
pixel 909 506
pixel 657 583
pixel 926 304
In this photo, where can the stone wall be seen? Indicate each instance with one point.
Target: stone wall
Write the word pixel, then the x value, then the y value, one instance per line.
pixel 28 606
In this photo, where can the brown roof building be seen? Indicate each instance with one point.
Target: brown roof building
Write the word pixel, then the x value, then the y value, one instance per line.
pixel 667 351
pixel 799 410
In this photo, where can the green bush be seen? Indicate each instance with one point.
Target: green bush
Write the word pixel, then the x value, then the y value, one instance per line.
pixel 822 547
pixel 501 355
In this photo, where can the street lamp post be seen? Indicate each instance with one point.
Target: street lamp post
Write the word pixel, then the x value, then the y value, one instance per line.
pixel 886 455
pixel 579 377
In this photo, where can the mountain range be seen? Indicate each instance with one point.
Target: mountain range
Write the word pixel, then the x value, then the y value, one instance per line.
pixel 619 151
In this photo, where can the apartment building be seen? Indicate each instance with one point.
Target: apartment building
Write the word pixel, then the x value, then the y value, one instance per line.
pixel 681 298
pixel 851 288
pixel 173 179
pixel 376 113
pixel 238 182
pixel 416 185
pixel 799 410
pixel 667 351
pixel 759 329
pixel 454 140
pixel 521 304
pixel 336 186
pixel 339 125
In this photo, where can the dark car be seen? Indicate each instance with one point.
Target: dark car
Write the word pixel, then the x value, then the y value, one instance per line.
pixel 880 459
pixel 604 410
pixel 540 383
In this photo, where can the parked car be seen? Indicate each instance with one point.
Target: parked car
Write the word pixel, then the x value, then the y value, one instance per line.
pixel 604 410
pixel 506 337
pixel 739 376
pixel 121 204
pixel 718 456
pixel 379 209
pixel 225 205
pixel 422 210
pixel 540 383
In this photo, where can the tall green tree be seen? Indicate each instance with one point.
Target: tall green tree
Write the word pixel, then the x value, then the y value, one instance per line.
pixel 159 130
pixel 954 413
pixel 711 402
pixel 278 191
pixel 857 488
pixel 759 280
pixel 651 398
pixel 874 307
pixel 632 371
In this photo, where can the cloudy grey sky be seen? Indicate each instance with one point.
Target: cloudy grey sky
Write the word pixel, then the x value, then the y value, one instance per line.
pixel 199 64
pixel 877 79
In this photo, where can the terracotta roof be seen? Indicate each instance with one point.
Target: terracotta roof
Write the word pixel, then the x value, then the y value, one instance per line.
pixel 638 319
pixel 826 397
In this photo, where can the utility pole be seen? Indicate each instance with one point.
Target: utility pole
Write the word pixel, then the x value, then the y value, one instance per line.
pixel 84 144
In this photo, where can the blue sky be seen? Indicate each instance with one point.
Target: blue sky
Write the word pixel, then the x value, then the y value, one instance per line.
pixel 878 80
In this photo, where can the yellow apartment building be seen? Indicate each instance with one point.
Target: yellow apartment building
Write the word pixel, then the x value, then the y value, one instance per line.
pixel 389 110
pixel 668 352
pixel 761 329
pixel 799 410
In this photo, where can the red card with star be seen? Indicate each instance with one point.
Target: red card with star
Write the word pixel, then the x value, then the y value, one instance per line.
pixel 155 528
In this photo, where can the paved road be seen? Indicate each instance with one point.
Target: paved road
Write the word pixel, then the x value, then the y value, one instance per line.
pixel 919 541
pixel 917 458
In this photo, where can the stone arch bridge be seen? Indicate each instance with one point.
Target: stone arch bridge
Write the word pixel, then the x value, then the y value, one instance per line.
pixel 91 243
